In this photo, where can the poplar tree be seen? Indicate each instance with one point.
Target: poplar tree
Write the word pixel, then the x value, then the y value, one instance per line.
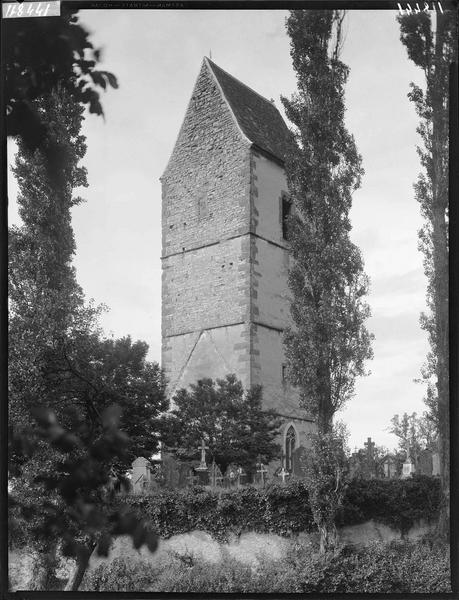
pixel 328 343
pixel 432 46
pixel 66 457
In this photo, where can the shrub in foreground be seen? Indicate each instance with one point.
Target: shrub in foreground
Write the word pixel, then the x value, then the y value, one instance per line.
pixel 398 567
pixel 123 574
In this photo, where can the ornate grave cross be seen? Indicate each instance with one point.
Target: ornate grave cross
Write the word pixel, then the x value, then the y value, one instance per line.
pixel 369 459
pixel 370 447
pixel 283 473
pixel 261 469
pixel 203 464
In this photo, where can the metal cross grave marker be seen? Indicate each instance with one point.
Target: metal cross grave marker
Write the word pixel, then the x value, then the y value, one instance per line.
pixel 283 473
pixel 261 469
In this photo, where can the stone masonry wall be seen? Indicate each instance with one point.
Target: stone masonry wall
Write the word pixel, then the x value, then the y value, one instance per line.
pixel 206 262
pixel 206 182
pixel 270 184
pixel 209 353
pixel 207 287
pixel 269 297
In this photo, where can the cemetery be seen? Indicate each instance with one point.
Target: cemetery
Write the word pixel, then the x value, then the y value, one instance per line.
pixel 250 528
pixel 217 521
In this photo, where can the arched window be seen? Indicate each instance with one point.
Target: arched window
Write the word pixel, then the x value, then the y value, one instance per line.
pixel 290 445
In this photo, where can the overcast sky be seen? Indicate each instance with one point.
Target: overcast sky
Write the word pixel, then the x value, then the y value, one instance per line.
pixel 156 56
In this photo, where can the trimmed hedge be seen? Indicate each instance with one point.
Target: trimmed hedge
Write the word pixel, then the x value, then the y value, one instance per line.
pixel 284 510
pixel 398 503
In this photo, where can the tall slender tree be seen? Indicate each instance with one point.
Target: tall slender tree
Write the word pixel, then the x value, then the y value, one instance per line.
pixel 58 361
pixel 328 343
pixel 431 43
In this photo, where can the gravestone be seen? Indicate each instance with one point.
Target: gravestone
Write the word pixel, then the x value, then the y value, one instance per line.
pixel 241 476
pixel 184 473
pixel 215 475
pixel 191 478
pixel 425 462
pixel 298 457
pixel 141 475
pixel 355 469
pixel 230 478
pixel 408 468
pixel 389 467
pixel 170 472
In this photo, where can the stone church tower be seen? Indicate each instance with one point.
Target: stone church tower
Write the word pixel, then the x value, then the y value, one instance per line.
pixel 224 247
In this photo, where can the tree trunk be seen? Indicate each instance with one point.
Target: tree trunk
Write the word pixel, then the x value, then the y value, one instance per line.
pixel 328 537
pixel 439 179
pixel 81 565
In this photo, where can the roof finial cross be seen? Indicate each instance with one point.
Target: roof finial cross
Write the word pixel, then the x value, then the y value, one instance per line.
pixel 210 54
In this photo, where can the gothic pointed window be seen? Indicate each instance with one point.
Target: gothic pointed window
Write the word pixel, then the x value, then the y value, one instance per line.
pixel 290 445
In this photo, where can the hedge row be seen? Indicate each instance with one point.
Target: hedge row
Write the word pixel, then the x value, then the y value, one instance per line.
pixel 284 509
pixel 398 503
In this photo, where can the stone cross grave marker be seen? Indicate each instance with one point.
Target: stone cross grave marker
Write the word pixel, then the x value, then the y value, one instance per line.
pixel 408 466
pixel 203 464
pixel 370 446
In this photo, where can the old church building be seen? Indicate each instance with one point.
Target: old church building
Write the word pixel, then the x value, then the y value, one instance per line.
pixel 224 247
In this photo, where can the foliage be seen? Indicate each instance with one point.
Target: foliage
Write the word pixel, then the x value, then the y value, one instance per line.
pixel 285 509
pixel 82 504
pixel 433 47
pixel 398 503
pixel 414 433
pixel 91 373
pixel 57 357
pixel 326 469
pixel 401 567
pixel 277 508
pixel 232 423
pixel 368 464
pixel 121 575
pixel 329 343
pixel 41 55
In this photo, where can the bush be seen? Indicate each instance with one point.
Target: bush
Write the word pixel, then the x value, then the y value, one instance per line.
pixel 284 509
pixel 398 503
pixel 120 575
pixel 398 567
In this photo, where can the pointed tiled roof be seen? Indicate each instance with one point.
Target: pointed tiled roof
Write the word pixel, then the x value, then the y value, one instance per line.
pixel 258 118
